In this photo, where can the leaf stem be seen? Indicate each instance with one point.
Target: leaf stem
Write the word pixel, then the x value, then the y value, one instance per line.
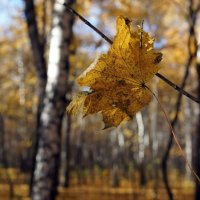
pixel 174 135
pixel 163 78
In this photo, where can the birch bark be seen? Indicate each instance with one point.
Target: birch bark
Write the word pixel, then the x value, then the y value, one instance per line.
pixel 47 160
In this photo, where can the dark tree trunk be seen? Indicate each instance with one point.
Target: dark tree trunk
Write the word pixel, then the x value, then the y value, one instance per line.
pixel 192 41
pixel 47 160
pixel 115 176
pixel 67 166
pixel 1 139
pixel 4 158
pixel 142 171
pixel 37 45
pixel 35 39
pixel 197 148
pixel 79 157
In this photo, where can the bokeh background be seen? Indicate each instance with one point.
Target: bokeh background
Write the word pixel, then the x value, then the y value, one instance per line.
pixel 47 154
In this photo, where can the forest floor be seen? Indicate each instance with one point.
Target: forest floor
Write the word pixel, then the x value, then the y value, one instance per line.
pixel 99 190
pixel 94 193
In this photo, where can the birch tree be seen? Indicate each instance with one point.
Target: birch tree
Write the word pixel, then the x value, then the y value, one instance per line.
pixel 47 159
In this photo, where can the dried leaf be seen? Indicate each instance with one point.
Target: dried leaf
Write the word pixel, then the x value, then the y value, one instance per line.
pixel 117 79
pixel 77 104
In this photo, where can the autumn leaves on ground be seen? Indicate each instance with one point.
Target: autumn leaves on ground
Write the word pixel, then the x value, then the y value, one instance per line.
pixel 84 113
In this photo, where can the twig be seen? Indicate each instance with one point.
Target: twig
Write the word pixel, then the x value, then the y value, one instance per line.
pixel 167 81
pixel 88 23
pixel 177 88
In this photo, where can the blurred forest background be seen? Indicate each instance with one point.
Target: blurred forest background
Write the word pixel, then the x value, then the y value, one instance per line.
pixel 46 154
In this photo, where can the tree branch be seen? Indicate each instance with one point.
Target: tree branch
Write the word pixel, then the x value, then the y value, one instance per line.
pixel 163 78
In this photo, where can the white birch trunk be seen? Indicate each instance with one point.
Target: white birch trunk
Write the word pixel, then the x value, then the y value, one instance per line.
pixel 188 137
pixel 47 159
pixel 140 136
pixel 153 125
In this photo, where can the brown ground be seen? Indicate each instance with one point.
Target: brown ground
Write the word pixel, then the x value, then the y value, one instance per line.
pixel 100 190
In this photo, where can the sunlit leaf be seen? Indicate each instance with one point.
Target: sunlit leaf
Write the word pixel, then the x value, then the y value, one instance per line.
pixel 117 79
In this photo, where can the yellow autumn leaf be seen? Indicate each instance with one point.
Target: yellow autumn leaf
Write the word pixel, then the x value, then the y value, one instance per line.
pixel 117 79
pixel 77 104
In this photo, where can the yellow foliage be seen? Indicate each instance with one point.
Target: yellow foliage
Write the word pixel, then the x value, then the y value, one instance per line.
pixel 77 103
pixel 117 79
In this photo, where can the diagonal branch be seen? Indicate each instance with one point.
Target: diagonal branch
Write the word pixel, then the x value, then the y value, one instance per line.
pixel 163 78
